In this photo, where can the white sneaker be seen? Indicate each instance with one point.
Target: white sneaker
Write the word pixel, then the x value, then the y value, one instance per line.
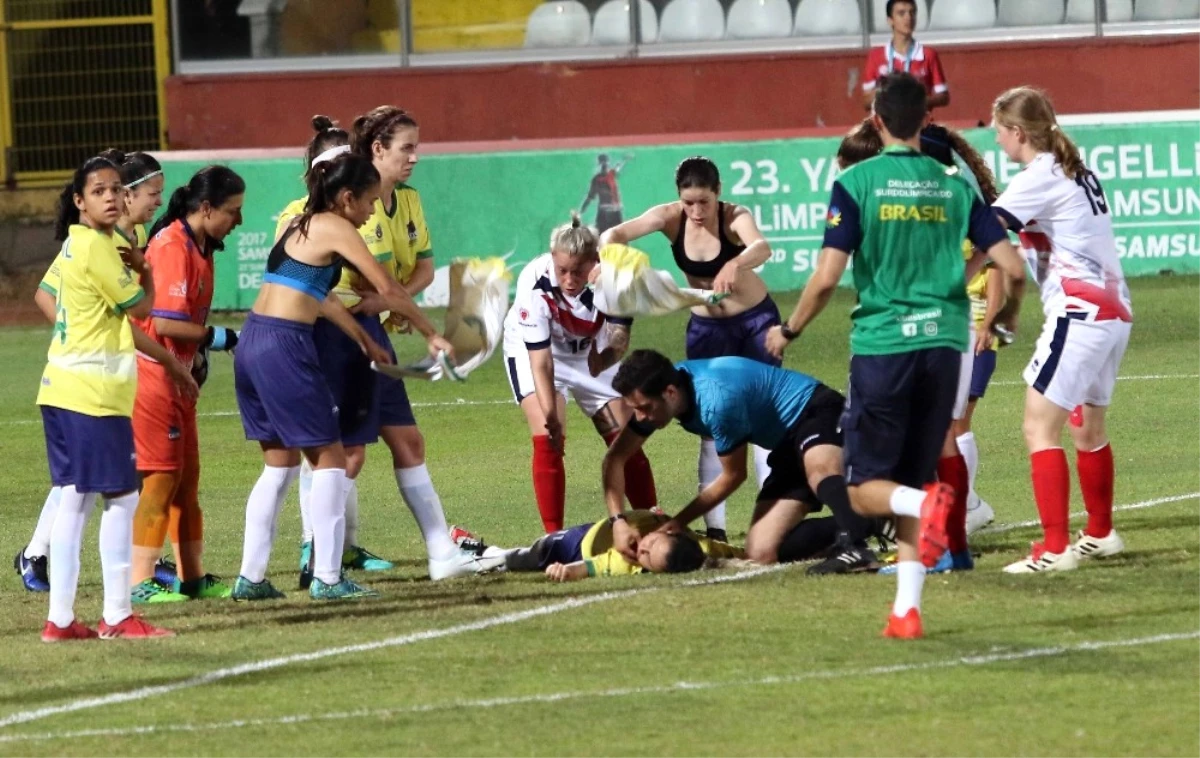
pixel 1098 547
pixel 1039 561
pixel 979 514
pixel 462 563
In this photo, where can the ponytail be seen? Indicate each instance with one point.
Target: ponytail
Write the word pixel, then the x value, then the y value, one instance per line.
pixel 976 164
pixel 1065 152
pixel 177 208
pixel 327 135
pixel 575 239
pixel 378 125
pixel 862 142
pixel 67 214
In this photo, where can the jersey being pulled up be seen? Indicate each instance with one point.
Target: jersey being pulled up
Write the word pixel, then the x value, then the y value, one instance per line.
pixel 1066 232
pixel 904 216
pixel 542 315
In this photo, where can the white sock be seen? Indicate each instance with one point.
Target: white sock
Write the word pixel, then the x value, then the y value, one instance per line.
pixel 910 579
pixel 328 512
pixel 66 539
pixel 417 490
pixel 116 555
pixel 970 453
pixel 761 468
pixel 351 511
pixel 262 511
pixel 709 468
pixel 306 472
pixel 906 501
pixel 40 544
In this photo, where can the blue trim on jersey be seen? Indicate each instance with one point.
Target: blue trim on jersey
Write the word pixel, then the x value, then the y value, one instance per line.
pixel 290 283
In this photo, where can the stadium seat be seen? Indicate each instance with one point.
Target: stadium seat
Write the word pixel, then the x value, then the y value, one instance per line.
pixel 756 19
pixel 963 14
pixel 1165 10
pixel 611 26
pixel 1084 11
pixel 692 21
pixel 827 18
pixel 1030 12
pixel 879 15
pixel 562 23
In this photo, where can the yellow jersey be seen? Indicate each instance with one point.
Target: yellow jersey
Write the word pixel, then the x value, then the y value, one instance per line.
pixel 602 559
pixel 91 366
pixel 50 280
pixel 977 293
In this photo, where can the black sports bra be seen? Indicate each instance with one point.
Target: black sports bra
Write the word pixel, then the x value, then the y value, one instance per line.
pixel 705 269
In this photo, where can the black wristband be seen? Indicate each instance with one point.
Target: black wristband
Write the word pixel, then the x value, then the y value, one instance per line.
pixel 787 332
pixel 619 517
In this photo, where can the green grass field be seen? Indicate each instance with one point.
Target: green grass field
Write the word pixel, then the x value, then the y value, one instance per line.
pixel 1100 661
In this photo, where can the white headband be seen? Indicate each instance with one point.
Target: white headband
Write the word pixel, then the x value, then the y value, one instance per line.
pixel 330 154
pixel 148 176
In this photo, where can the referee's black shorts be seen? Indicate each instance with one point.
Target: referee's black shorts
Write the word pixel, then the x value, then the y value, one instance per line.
pixel 897 413
pixel 817 425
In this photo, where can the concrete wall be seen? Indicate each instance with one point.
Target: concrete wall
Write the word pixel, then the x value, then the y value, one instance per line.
pixel 670 96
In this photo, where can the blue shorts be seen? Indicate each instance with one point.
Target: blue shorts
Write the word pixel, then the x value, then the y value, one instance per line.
pixel 366 400
pixel 281 391
pixel 93 453
pixel 743 335
pixel 563 546
pixel 981 373
pixel 898 409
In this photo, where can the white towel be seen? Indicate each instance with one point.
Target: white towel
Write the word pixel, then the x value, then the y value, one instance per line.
pixel 628 286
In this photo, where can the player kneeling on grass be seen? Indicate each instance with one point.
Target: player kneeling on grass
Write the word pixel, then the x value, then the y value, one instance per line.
pixel 552 345
pixel 736 401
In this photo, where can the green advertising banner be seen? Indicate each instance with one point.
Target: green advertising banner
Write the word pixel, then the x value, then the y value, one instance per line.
pixel 507 203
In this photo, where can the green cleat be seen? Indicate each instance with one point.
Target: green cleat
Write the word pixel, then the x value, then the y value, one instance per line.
pixel 355 557
pixel 152 591
pixel 343 590
pixel 244 589
pixel 207 586
pixel 306 564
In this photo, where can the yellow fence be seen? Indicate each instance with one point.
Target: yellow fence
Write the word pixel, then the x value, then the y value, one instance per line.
pixel 76 77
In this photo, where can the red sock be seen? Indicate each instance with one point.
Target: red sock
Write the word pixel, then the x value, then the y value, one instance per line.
pixel 953 471
pixel 1096 480
pixel 549 483
pixel 1052 491
pixel 639 479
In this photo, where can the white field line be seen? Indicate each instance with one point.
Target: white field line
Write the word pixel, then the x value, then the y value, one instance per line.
pixel 142 693
pixel 461 402
pixel 1080 514
pixel 558 697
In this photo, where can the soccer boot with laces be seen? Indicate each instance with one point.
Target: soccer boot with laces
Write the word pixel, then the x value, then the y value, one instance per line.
pixel 1087 546
pixel 1040 561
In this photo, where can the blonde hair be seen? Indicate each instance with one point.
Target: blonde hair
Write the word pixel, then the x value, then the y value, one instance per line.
pixel 1031 110
pixel 575 239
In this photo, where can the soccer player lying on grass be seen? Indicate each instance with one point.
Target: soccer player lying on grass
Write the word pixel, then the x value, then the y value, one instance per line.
pixel 588 549
pixel 735 402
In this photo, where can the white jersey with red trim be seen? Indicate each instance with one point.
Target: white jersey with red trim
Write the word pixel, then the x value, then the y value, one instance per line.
pixel 1066 231
pixel 542 315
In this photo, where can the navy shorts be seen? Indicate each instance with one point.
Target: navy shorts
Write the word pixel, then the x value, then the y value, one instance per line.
pixel 819 424
pixel 92 453
pixel 366 400
pixel 897 413
pixel 981 373
pixel 281 391
pixel 563 546
pixel 743 335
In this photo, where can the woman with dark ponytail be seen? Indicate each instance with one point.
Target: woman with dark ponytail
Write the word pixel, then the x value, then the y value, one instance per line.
pixel 285 402
pixel 199 216
pixel 87 403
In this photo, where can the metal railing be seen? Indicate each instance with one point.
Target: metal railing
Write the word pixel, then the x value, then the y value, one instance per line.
pixel 76 78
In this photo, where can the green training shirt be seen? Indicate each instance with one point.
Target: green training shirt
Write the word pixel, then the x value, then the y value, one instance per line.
pixel 904 216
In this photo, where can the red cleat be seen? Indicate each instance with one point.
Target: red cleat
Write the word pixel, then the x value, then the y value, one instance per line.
pixel 1076 417
pixel 132 628
pixel 51 632
pixel 458 535
pixel 906 627
pixel 935 511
